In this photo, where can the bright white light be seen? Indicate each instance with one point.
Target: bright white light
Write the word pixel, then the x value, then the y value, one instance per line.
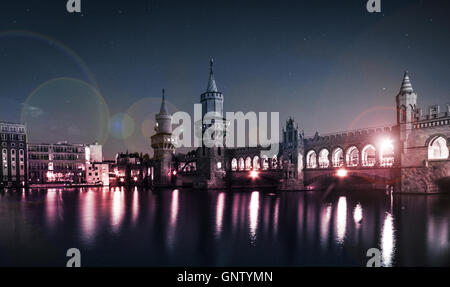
pixel 357 213
pixel 341 219
pixel 253 174
pixel 219 165
pixel 388 240
pixel 341 172
pixel 386 144
pixel 254 210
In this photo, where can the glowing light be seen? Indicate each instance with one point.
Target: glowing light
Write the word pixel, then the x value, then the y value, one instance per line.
pixel 341 219
pixel 135 178
pixel 219 212
pixel 357 213
pixel 254 174
pixel 254 210
pixel 388 240
pixel 174 172
pixel 341 172
pixel 122 180
pixel 386 143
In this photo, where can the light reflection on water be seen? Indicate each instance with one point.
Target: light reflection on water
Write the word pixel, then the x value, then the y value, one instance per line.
pixel 135 227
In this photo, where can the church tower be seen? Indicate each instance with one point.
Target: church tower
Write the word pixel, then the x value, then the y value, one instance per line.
pixel 163 145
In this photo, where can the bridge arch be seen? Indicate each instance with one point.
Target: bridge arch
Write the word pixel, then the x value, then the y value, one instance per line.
pixel 352 156
pixel 311 159
pixel 368 177
pixel 437 147
pixel 256 162
pixel 387 153
pixel 368 155
pixel 248 163
pixel 234 164
pixel 241 164
pixel 337 157
pixel 324 161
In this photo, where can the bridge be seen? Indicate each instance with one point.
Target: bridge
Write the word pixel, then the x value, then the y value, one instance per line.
pixel 410 156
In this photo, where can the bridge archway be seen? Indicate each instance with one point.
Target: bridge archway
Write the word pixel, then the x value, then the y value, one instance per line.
pixel 352 156
pixel 337 157
pixel 311 159
pixel 437 148
pixel 324 162
pixel 234 164
pixel 387 153
pixel 355 178
pixel 368 156
pixel 256 162
pixel 248 163
pixel 241 164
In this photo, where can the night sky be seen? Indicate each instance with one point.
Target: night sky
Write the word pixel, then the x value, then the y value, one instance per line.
pixel 331 65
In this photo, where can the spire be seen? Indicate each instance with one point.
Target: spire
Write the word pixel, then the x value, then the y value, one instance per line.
pixel 163 110
pixel 406 84
pixel 211 82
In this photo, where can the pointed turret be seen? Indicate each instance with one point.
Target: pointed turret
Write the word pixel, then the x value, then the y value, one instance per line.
pixel 212 87
pixel 163 110
pixel 406 84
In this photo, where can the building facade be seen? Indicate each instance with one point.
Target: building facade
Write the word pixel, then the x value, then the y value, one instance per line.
pixel 13 146
pixel 57 163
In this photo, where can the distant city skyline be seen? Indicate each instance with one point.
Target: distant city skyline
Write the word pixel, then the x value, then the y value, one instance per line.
pixel 98 75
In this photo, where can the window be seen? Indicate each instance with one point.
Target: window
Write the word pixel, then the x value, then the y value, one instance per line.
pixel 437 149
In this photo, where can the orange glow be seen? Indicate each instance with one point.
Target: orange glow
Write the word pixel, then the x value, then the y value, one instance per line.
pixel 341 172
pixel 254 174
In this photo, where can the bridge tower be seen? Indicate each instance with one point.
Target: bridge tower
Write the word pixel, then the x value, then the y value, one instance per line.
pixel 406 107
pixel 163 144
pixel 292 155
pixel 211 156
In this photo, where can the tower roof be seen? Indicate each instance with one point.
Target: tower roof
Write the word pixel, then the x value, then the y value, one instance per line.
pixel 406 84
pixel 163 110
pixel 212 87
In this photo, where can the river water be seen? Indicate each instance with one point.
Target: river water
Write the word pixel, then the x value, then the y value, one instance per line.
pixel 133 227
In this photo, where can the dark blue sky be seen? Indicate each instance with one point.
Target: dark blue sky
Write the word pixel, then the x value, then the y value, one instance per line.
pixel 329 64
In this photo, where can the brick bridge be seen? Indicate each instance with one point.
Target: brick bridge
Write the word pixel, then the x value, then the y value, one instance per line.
pixel 411 156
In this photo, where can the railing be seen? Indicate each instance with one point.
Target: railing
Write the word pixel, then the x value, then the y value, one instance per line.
pixel 346 133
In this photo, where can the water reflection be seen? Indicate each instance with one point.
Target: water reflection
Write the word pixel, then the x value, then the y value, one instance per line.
pixel 135 208
pixel 219 212
pixel 173 218
pixel 88 220
pixel 357 213
pixel 387 240
pixel 341 219
pixel 253 210
pixel 117 208
pixel 178 227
